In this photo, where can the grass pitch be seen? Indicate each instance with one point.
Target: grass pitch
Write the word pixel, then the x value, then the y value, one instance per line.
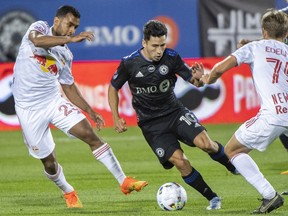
pixel 24 190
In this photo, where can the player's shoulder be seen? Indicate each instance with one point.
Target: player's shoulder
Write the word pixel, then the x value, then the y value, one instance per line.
pixel 132 56
pixel 40 25
pixel 170 52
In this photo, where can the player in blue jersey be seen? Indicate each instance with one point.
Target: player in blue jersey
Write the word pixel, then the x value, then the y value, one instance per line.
pixel 151 74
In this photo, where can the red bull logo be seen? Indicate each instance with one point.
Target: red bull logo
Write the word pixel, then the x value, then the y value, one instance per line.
pixel 47 64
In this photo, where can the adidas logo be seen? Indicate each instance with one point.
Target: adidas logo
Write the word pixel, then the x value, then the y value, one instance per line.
pixel 139 74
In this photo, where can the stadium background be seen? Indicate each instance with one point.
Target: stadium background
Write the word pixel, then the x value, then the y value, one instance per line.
pixel 200 30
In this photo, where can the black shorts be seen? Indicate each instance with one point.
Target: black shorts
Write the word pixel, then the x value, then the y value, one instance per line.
pixel 163 134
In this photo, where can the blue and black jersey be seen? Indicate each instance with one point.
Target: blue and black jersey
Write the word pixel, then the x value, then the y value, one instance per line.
pixel 152 83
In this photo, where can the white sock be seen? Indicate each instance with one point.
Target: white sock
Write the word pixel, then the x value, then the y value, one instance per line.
pixel 250 171
pixel 60 180
pixel 105 155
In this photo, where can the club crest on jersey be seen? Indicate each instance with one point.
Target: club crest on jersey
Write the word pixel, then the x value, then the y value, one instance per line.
pixel 163 69
pixel 151 68
pixel 160 152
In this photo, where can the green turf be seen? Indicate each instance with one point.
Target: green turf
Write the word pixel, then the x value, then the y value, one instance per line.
pixel 24 190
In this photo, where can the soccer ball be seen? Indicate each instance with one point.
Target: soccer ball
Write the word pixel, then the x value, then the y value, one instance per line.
pixel 171 196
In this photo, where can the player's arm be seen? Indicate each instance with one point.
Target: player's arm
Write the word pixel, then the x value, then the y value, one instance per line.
pixel 218 69
pixel 74 95
pixel 46 41
pixel 113 99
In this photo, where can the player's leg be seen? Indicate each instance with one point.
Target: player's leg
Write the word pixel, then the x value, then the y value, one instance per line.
pixel 194 179
pixel 237 149
pixel 214 149
pixel 77 125
pixel 54 172
pixel 191 132
pixel 166 147
pixel 39 140
pixel 103 153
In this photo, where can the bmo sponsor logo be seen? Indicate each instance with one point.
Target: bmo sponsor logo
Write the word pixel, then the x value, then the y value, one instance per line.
pixel 129 35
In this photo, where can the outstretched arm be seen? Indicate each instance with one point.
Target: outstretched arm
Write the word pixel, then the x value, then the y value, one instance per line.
pixel 219 69
pixel 113 98
pixel 46 41
pixel 74 95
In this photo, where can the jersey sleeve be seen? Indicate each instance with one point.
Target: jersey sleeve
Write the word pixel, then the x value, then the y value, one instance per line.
pixel 182 69
pixel 40 26
pixel 244 54
pixel 120 76
pixel 66 77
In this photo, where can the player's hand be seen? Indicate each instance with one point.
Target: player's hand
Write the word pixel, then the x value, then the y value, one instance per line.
pixel 242 42
pixel 98 119
pixel 197 70
pixel 120 125
pixel 82 36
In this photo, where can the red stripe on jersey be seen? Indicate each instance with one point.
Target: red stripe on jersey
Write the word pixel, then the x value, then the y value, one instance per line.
pixel 251 121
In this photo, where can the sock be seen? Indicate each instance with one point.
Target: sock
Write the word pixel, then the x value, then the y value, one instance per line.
pixel 250 171
pixel 195 180
pixel 105 155
pixel 60 180
pixel 222 158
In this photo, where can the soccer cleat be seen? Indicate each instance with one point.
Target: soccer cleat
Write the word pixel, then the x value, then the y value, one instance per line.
pixel 72 200
pixel 131 184
pixel 269 205
pixel 215 204
pixel 284 172
pixel 284 193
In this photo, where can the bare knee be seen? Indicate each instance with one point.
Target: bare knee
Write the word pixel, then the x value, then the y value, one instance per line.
pixel 228 151
pixel 234 147
pixel 84 132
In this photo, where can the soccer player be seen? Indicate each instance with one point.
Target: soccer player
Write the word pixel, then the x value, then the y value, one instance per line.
pixel 44 60
pixel 268 62
pixel 151 74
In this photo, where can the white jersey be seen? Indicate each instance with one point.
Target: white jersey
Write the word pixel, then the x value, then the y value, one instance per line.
pixel 37 71
pixel 268 60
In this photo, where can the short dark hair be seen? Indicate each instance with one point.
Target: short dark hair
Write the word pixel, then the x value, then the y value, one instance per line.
pixel 275 23
pixel 65 9
pixel 154 28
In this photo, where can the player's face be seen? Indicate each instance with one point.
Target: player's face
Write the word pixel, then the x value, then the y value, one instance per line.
pixel 65 26
pixel 154 48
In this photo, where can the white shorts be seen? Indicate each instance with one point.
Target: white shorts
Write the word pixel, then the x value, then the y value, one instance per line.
pixel 35 125
pixel 257 133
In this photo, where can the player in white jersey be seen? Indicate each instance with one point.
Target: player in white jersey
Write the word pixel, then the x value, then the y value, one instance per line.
pixel 268 63
pixel 43 62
